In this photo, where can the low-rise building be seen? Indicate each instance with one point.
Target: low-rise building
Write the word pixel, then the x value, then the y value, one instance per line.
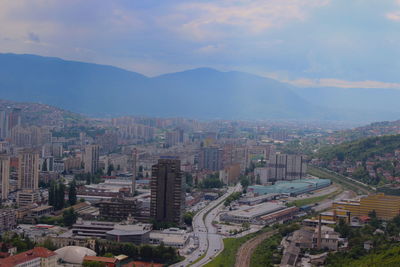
pixel 172 237
pixel 132 233
pixel 36 257
pixel 386 207
pixel 25 198
pixel 280 216
pixel 8 219
pixel 251 214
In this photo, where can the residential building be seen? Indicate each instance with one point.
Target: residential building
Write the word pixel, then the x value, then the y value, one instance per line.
pixel 211 158
pixel 230 174
pixel 167 196
pixel 286 167
pixel 4 176
pixel 91 158
pixel 8 219
pixel 119 209
pixel 27 197
pixel 28 170
pixel 36 257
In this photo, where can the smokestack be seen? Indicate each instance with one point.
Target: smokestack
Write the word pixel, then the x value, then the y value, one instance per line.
pixel 319 233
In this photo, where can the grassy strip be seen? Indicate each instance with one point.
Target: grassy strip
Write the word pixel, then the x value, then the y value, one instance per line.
pixel 227 257
pixel 312 200
pixel 318 172
pixel 204 218
pixel 267 254
pixel 198 259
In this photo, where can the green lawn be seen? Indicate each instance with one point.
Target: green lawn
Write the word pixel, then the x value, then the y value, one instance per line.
pixel 321 173
pixel 266 254
pixel 312 200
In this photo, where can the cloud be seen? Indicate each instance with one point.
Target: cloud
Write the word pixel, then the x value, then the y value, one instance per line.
pixel 33 37
pixel 211 19
pixel 395 16
pixel 342 83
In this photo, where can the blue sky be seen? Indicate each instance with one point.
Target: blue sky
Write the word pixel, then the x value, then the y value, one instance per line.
pixel 344 43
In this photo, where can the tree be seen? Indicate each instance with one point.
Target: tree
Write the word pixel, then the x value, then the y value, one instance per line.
pixel 72 199
pixel 146 252
pixel 110 169
pixel 47 243
pixel 188 218
pixel 343 228
pixel 245 182
pixel 60 197
pixel 93 264
pixel 69 217
pixel 52 193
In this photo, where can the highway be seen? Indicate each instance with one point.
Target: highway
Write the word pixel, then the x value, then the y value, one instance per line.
pixel 210 243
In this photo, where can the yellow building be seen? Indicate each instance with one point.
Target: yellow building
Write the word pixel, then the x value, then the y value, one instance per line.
pixel 335 215
pixel 386 207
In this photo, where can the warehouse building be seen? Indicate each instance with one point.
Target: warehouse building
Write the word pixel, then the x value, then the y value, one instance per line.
pixel 291 188
pixel 251 214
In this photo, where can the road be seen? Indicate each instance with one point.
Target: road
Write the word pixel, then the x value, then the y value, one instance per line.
pixel 210 243
pixel 243 257
pixel 326 204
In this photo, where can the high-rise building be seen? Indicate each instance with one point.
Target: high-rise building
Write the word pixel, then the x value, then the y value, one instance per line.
pixel 167 196
pixel 28 170
pixel 134 170
pixel 211 158
pixel 3 124
pixel 91 158
pixel 4 176
pixel 14 118
pixel 173 138
pixel 286 167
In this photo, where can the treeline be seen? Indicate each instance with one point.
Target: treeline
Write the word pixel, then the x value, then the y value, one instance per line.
pixel 159 254
pixel 90 178
pixel 232 197
pixel 361 150
pixel 57 194
pixel 382 234
pixel 212 181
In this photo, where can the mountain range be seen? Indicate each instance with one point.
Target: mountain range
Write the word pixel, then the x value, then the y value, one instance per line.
pixel 204 93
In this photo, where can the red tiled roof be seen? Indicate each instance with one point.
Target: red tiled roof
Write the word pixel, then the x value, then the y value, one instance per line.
pixel 38 252
pixel 100 259
pixel 143 264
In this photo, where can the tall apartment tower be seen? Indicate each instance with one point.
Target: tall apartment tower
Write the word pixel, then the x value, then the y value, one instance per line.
pixel 3 124
pixel 134 170
pixel 28 170
pixel 211 158
pixel 91 158
pixel 286 167
pixel 167 196
pixel 4 176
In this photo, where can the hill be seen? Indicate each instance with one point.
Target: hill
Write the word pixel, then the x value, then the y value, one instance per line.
pixel 362 149
pixel 204 93
pixel 41 114
pixel 373 160
pixel 104 90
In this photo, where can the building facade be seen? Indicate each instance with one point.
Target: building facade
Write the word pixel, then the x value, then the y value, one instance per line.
pixel 167 196
pixel 4 176
pixel 92 158
pixel 28 170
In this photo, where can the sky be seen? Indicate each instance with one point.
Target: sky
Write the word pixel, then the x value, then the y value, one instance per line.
pixel 340 43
